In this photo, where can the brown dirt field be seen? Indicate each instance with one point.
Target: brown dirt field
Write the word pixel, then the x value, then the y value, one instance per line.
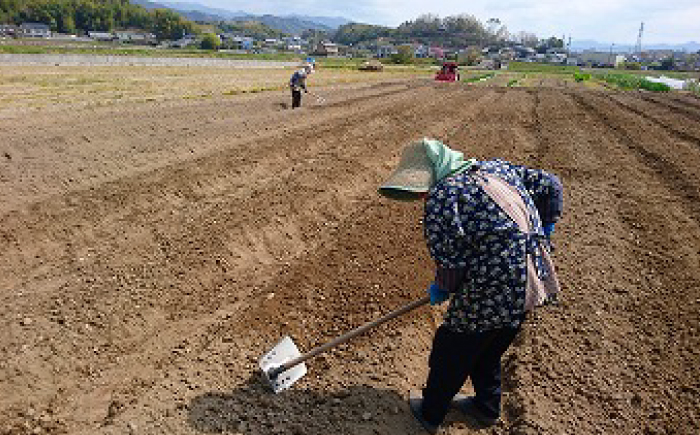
pixel 151 252
pixel 29 89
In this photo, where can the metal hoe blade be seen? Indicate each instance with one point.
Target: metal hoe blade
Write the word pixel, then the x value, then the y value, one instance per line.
pixel 284 365
pixel 285 350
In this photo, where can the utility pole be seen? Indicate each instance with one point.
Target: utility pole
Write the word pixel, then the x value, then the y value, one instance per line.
pixel 638 47
pixel 610 57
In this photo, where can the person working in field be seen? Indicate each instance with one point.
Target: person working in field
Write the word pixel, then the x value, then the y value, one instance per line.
pixel 487 225
pixel 298 83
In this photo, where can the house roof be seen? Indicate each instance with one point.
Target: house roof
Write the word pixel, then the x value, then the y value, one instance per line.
pixel 37 26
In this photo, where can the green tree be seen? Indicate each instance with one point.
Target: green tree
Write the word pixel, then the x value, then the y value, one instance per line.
pixel 73 15
pixel 210 41
pixel 254 29
pixel 354 33
pixel 551 42
pixel 528 39
pixel 168 24
pixel 472 56
pixel 67 24
pixel 405 54
pixel 668 64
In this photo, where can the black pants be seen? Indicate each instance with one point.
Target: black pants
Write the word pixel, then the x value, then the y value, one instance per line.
pixel 457 356
pixel 296 99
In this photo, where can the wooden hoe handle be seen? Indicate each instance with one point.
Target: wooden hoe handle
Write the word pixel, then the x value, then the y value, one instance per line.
pixel 349 336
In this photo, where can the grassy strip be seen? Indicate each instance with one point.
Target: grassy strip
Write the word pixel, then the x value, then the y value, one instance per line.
pixel 512 83
pixel 694 87
pixel 479 78
pixel 340 63
pixel 145 52
pixel 581 77
pixel 541 68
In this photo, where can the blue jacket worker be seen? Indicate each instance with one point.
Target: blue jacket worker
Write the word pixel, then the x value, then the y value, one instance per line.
pixel 487 225
pixel 297 83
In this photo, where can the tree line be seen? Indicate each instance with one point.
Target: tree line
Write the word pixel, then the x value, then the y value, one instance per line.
pixel 79 16
pixel 452 31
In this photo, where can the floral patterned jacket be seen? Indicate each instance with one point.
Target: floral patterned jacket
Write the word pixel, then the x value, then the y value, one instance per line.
pixel 479 251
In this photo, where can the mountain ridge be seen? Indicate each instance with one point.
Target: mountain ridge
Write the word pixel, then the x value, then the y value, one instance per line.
pixel 292 23
pixel 590 44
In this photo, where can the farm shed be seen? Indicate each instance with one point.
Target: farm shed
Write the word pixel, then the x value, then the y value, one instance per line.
pixel 35 30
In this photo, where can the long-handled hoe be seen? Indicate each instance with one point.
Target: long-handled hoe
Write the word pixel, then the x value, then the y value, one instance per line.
pixel 319 99
pixel 284 364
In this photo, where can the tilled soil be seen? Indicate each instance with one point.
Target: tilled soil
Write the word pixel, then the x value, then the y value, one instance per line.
pixel 151 253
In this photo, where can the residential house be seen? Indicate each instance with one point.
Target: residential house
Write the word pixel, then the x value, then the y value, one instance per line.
pixel 293 46
pixel 326 48
pixel 236 42
pixel 493 53
pixel 185 41
pixel 436 52
pixel 470 55
pixel 8 30
pixel 387 50
pixel 524 54
pixel 101 36
pixel 600 59
pixel 35 30
pixel 65 37
pixel 556 55
pixel 507 53
pixel 658 55
pixel 134 37
pixel 294 43
pixel 489 64
pixel 420 51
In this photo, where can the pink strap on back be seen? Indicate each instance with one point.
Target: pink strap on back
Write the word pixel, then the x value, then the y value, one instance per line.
pixel 508 198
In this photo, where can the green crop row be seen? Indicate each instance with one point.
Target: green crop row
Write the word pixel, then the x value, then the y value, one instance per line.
pixel 629 81
pixel 581 77
pixel 694 87
pixel 479 77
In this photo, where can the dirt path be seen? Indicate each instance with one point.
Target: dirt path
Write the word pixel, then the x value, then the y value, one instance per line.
pixel 150 253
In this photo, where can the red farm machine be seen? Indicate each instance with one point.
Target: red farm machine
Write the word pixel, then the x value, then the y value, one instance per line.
pixel 448 73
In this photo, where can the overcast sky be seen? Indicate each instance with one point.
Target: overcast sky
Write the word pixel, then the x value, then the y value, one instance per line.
pixel 618 21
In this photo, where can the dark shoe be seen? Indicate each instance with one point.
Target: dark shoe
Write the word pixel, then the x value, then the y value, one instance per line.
pixel 468 406
pixel 415 402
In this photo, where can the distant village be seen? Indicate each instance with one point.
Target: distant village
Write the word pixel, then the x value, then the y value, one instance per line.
pixel 489 57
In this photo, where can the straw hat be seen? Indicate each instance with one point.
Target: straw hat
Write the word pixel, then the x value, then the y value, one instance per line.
pixel 413 176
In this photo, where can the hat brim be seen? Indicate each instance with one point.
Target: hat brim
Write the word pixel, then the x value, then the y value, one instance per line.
pixel 401 193
pixel 412 177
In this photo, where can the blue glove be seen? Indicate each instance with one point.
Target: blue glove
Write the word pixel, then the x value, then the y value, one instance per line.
pixel 548 229
pixel 437 295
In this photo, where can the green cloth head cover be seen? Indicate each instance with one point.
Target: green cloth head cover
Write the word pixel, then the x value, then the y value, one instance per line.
pixel 446 161
pixel 423 164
